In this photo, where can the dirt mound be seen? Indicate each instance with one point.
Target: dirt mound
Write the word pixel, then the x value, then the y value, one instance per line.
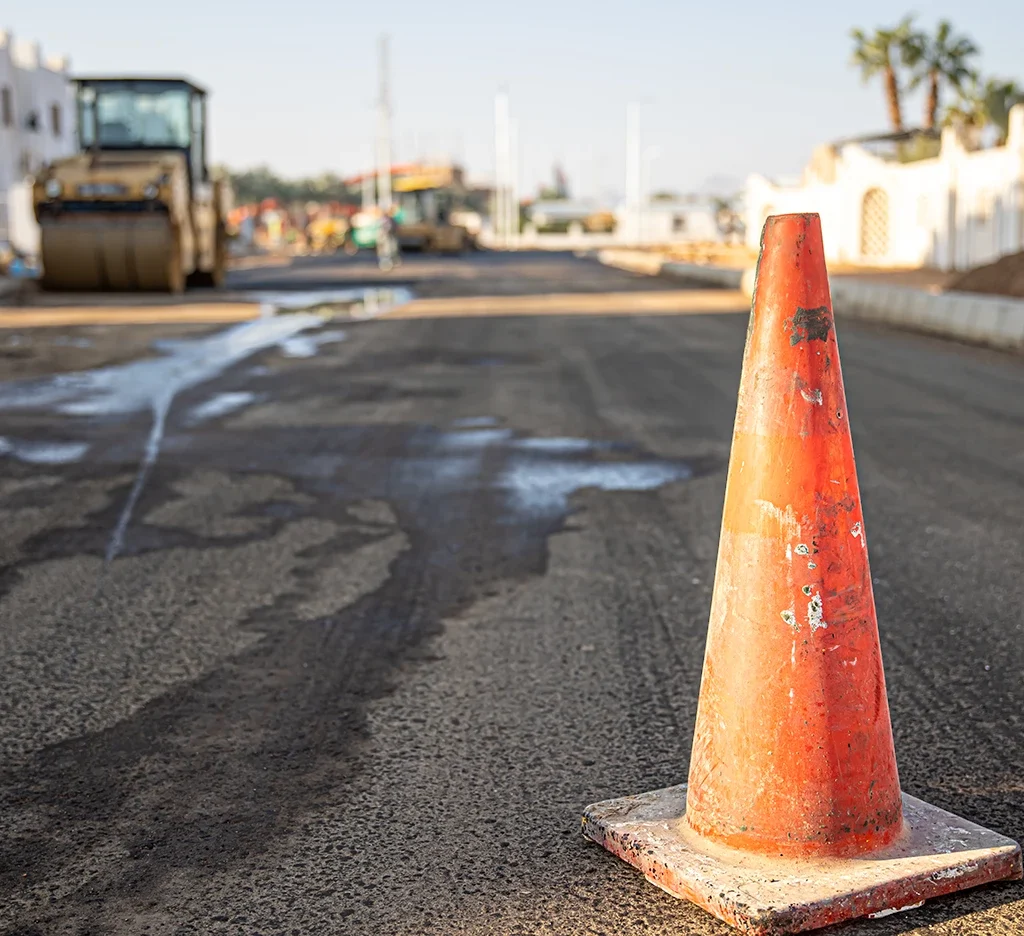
pixel 1005 277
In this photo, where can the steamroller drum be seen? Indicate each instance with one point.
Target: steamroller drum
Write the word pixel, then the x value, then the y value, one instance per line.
pixel 111 253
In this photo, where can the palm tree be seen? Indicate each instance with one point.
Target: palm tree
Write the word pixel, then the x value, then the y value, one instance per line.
pixel 1000 96
pixel 970 112
pixel 980 105
pixel 943 57
pixel 879 54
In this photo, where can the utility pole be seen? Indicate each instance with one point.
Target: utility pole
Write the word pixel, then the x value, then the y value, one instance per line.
pixel 633 181
pixel 501 168
pixel 513 182
pixel 383 130
pixel 651 153
pixel 367 178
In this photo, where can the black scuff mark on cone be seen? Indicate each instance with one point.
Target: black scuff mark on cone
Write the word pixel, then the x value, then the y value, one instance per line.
pixel 809 325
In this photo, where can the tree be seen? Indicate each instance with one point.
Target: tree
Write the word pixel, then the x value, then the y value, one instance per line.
pixel 1000 96
pixel 980 105
pixel 941 58
pixel 253 185
pixel 879 54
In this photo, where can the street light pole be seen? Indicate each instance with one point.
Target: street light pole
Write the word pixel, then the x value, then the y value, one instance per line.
pixel 367 192
pixel 501 169
pixel 383 130
pixel 633 183
pixel 651 153
pixel 513 182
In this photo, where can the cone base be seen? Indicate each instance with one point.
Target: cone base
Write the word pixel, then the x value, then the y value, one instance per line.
pixel 938 853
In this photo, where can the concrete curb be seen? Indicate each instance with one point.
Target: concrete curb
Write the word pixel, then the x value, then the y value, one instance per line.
pixel 656 265
pixel 996 321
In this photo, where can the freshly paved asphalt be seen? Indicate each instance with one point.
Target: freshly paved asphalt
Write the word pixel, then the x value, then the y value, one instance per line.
pixel 369 647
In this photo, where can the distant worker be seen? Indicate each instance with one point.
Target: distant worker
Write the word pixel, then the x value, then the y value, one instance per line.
pixel 388 250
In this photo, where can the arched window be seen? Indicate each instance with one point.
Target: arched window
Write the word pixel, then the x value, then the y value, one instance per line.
pixel 874 224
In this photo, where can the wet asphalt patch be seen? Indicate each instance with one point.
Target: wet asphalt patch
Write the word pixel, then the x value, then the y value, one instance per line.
pixel 278 726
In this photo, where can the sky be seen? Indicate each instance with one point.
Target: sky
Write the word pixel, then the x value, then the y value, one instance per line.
pixel 724 89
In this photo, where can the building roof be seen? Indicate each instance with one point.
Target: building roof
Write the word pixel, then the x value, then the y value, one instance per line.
pixel 142 79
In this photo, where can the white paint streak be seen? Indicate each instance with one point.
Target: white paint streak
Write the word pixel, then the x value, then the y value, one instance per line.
pixel 858 533
pixel 306 346
pixel 812 396
pixel 161 406
pixel 852 662
pixel 815 610
pixel 221 404
pixel 792 655
pixel 789 552
pixel 785 518
pixel 43 453
pixel 152 384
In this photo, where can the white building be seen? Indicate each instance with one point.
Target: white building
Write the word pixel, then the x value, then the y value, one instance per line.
pixel 960 209
pixel 679 221
pixel 673 221
pixel 36 125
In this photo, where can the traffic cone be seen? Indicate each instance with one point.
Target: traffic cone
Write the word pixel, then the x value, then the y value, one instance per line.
pixel 793 817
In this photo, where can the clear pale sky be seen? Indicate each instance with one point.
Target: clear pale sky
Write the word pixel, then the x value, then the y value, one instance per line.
pixel 725 88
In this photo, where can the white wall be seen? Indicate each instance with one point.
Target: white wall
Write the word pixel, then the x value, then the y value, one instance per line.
pixel 36 87
pixel 665 222
pixel 959 210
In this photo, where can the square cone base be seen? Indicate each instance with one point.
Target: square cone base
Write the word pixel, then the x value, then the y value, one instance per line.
pixel 938 853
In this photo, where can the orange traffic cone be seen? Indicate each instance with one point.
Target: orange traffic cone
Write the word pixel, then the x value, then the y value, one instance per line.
pixel 793 816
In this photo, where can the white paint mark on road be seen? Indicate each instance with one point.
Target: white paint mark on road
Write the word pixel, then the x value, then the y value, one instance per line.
pixel 306 346
pixel 220 404
pixel 152 384
pixel 43 453
pixel 359 303
pixel 542 487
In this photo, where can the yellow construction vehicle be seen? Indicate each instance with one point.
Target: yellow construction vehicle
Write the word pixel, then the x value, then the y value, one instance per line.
pixel 427 198
pixel 137 207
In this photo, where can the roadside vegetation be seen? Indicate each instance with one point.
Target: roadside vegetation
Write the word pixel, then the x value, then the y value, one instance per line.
pixel 904 58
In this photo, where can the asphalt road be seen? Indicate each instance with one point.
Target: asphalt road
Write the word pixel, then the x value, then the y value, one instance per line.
pixel 341 639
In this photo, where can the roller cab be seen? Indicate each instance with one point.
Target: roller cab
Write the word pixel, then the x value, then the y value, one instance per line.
pixel 136 208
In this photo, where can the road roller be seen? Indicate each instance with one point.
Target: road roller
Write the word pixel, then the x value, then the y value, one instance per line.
pixel 137 207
